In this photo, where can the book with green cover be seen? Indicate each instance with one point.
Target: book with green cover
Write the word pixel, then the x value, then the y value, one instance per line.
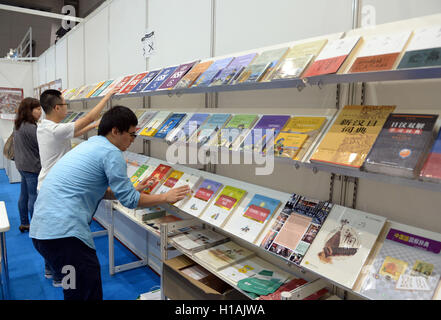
pixel 236 128
pixel 263 66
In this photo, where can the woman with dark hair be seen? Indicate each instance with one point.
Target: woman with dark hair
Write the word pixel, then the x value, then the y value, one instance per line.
pixel 27 157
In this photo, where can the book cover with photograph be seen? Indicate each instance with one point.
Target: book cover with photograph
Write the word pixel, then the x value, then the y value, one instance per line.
pixel 296 227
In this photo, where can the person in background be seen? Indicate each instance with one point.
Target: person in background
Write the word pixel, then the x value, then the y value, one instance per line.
pixel 27 157
pixel 54 141
pixel 53 136
pixel 70 194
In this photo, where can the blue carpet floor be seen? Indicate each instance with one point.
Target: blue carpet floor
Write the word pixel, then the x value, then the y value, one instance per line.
pixel 26 267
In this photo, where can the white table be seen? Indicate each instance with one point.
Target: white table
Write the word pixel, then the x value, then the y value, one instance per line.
pixel 4 273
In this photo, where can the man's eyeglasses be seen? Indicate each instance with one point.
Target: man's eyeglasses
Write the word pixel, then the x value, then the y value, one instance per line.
pixel 62 104
pixel 133 135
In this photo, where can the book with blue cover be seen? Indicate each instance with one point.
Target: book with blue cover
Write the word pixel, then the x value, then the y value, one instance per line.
pixel 160 79
pixel 249 222
pixel 171 123
pixel 101 89
pixel 191 126
pixel 209 128
pixel 233 70
pixel 205 79
pixel 256 139
pixel 145 81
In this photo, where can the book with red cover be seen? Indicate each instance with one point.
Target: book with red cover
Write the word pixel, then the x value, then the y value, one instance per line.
pixel 132 84
pixel 432 167
pixel 177 75
pixel 123 83
pixel 332 57
pixel 160 173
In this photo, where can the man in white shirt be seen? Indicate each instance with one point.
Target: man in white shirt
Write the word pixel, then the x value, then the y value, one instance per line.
pixel 53 136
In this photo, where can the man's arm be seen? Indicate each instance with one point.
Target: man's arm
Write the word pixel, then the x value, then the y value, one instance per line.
pixel 93 114
pixel 86 129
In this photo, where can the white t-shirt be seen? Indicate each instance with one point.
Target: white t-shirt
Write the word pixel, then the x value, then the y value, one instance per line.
pixel 53 142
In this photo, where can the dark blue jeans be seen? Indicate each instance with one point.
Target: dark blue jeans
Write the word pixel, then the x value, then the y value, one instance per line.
pixel 28 195
pixel 67 254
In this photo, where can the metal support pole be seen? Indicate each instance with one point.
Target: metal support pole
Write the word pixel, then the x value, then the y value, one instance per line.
pixel 111 243
pixel 4 265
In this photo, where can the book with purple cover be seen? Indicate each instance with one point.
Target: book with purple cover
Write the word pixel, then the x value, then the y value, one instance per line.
pixel 177 75
pixel 256 139
pixel 205 79
pixel 160 79
pixel 235 67
pixel 145 81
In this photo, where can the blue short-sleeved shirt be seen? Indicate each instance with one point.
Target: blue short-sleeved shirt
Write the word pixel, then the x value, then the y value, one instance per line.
pixel 74 187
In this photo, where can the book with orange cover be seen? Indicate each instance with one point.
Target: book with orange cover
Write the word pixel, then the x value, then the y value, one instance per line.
pixel 123 83
pixel 380 52
pixel 159 175
pixel 188 80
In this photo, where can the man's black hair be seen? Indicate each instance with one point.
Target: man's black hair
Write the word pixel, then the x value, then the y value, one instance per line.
pixel 49 99
pixel 118 117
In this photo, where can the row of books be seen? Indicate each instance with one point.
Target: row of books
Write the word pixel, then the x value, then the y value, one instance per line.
pixel 375 139
pixel 371 138
pixel 358 250
pixel 350 54
pixel 292 135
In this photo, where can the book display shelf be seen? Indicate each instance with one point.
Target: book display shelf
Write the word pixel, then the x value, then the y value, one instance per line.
pixel 345 248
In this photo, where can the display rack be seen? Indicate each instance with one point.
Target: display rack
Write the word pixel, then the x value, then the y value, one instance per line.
pixel 299 84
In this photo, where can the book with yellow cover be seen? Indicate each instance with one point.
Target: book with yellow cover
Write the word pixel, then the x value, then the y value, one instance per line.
pixel 308 125
pixel 288 144
pixel 352 135
pixel 97 86
pixel 221 209
pixel 298 59
pixel 153 125
pixel 170 182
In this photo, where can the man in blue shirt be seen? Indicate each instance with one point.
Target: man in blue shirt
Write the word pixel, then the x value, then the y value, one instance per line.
pixel 95 169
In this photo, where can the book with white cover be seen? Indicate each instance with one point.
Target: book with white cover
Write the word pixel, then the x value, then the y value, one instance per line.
pixel 204 194
pixel 187 179
pixel 254 267
pixel 223 255
pixel 343 244
pixel 425 38
pixel 196 240
pixel 220 210
pixel 384 44
pixel 171 181
pixel 338 47
pixel 248 221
